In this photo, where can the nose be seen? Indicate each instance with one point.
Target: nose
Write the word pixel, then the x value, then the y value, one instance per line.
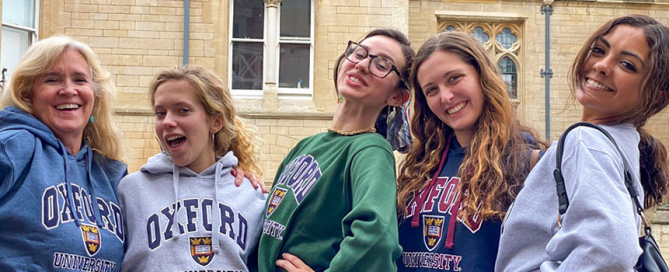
pixel 364 64
pixel 68 89
pixel 169 121
pixel 445 94
pixel 603 66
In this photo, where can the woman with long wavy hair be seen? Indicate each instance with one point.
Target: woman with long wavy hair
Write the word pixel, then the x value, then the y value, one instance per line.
pixel 468 160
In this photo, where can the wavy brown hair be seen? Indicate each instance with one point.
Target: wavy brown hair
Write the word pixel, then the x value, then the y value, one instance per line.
pixel 496 162
pixel 210 90
pixel 654 98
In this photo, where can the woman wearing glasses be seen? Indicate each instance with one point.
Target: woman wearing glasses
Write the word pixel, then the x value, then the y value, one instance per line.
pixel 331 206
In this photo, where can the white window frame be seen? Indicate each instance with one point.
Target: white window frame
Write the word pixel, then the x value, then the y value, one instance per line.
pixel 295 93
pixel 246 93
pixel 283 93
pixel 33 33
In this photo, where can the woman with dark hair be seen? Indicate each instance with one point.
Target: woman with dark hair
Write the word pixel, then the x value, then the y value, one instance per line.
pixel 621 78
pixel 468 161
pixel 331 206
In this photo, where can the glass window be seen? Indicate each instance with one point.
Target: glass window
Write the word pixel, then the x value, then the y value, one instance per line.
pixel 508 69
pixel 247 63
pixel 506 38
pixel 247 44
pixel 449 28
pixel 480 34
pixel 18 32
pixel 295 47
pixel 294 66
pixel 295 19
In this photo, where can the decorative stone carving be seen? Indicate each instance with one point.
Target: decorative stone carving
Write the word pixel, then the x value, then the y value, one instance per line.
pixel 272 3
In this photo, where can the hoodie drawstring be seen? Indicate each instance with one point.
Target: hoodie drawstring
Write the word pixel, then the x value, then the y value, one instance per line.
pixel 454 216
pixel 175 181
pixel 94 201
pixel 68 185
pixel 421 197
pixel 216 245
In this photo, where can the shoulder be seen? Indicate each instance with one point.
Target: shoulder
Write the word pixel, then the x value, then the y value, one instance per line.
pixel 17 145
pixel 113 169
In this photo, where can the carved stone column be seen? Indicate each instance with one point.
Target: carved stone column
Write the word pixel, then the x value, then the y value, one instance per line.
pixel 270 95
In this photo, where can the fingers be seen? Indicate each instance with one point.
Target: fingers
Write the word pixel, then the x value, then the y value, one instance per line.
pixel 238 173
pixel 291 262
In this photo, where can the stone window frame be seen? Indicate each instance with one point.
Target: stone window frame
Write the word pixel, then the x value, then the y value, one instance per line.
pixel 492 24
pixel 271 56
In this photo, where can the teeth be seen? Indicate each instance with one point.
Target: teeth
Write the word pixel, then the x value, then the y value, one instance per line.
pixel 597 85
pixel 172 138
pixel 354 79
pixel 457 108
pixel 67 106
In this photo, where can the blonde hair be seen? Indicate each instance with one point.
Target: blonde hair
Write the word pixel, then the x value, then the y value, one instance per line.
pixel 211 92
pixel 102 135
pixel 496 162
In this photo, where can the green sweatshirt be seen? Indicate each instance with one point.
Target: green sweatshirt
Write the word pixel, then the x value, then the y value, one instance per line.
pixel 332 204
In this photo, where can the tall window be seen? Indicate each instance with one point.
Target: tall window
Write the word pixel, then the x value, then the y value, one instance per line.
pixel 502 43
pixel 251 34
pixel 248 46
pixel 19 30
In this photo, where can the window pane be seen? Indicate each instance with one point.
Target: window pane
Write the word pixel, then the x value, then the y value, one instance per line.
pixel 19 12
pixel 506 38
pixel 14 44
pixel 294 66
pixel 247 62
pixel 510 76
pixel 449 28
pixel 248 19
pixel 480 35
pixel 296 18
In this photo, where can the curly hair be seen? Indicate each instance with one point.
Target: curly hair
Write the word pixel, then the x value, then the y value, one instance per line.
pixel 654 95
pixel 210 90
pixel 103 135
pixel 496 161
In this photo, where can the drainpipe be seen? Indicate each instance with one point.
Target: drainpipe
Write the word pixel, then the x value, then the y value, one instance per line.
pixel 547 73
pixel 186 27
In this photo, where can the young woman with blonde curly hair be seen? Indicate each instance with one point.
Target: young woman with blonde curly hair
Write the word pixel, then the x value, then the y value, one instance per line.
pixel 468 160
pixel 182 209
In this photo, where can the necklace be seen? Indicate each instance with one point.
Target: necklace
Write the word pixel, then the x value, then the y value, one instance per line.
pixel 350 133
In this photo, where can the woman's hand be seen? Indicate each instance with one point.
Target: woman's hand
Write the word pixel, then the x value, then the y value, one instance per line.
pixel 292 263
pixel 239 174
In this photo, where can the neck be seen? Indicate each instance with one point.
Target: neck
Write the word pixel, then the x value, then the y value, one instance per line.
pixel 464 137
pixel 350 117
pixel 72 145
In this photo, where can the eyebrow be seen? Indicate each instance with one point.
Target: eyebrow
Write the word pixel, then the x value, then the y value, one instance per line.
pixel 445 75
pixel 383 55
pixel 626 53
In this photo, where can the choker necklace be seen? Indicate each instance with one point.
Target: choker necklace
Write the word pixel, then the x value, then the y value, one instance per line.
pixel 351 133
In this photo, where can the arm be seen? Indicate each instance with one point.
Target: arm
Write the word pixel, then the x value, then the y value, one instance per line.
pixel 599 230
pixel 370 229
pixel 16 151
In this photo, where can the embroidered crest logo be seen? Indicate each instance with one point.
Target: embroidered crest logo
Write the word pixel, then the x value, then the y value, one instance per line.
pixel 432 229
pixel 277 196
pixel 201 250
pixel 91 236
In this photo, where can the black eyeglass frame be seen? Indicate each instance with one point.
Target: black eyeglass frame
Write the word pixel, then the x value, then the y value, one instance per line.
pixel 393 68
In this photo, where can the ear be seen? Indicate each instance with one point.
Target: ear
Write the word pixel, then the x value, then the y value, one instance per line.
pixel 216 123
pixel 399 98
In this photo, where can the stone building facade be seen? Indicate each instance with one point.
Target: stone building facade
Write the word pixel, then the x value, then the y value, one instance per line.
pixel 136 39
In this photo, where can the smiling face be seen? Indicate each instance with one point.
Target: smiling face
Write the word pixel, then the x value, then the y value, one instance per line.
pixel 453 92
pixel 610 84
pixel 63 98
pixel 356 83
pixel 183 125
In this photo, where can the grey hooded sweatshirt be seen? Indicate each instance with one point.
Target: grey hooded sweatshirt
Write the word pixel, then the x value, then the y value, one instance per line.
pixel 216 225
pixel 600 228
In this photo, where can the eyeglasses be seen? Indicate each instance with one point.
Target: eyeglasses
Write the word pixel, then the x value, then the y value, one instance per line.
pixel 381 67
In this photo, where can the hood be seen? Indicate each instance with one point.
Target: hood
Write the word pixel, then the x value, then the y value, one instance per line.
pixel 161 163
pixel 13 118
